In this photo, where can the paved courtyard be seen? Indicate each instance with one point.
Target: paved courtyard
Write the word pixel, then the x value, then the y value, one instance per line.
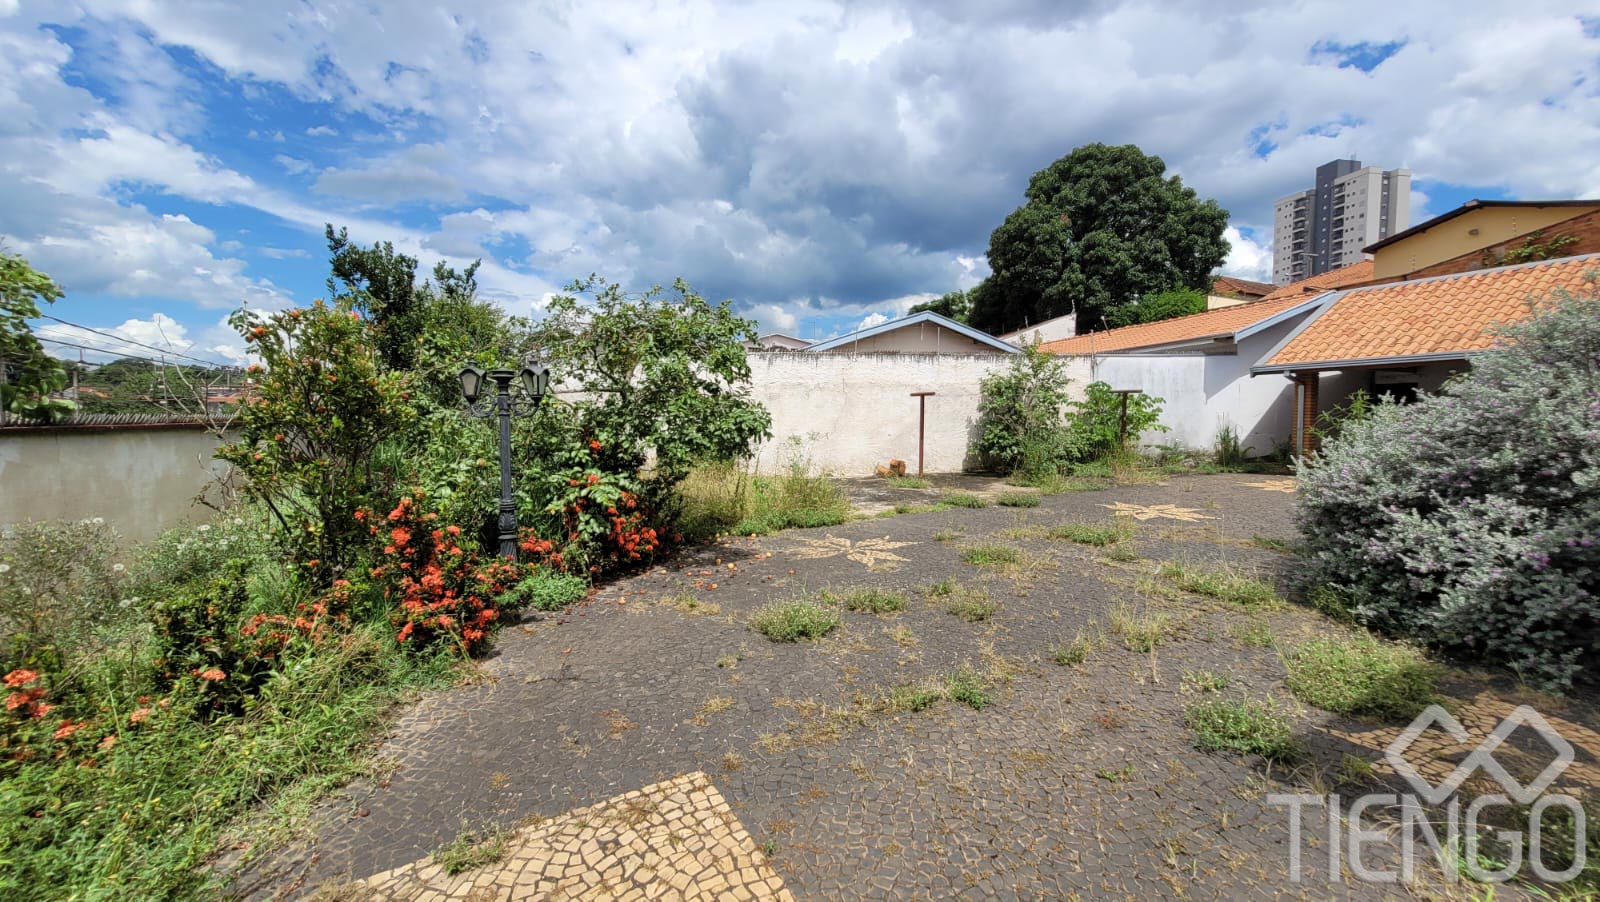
pixel 650 736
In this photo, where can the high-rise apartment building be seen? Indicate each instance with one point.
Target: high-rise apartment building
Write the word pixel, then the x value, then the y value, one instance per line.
pixel 1326 226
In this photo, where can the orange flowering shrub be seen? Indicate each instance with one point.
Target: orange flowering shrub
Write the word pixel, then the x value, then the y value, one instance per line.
pixel 440 590
pixel 604 518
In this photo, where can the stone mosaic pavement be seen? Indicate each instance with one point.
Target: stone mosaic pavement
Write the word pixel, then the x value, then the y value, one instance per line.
pixel 676 837
pixel 1073 782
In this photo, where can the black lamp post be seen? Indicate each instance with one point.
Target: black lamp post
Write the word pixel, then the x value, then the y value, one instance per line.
pixel 533 384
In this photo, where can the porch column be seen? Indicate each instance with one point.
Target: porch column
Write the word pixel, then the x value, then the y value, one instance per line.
pixel 1306 423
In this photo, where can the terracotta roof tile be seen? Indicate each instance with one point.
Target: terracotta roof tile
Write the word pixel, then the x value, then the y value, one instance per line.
pixel 1343 277
pixel 1220 323
pixel 1442 315
pixel 1244 287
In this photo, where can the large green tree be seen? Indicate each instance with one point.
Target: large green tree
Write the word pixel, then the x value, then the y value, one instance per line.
pixel 1159 306
pixel 380 283
pixel 1102 227
pixel 956 305
pixel 27 374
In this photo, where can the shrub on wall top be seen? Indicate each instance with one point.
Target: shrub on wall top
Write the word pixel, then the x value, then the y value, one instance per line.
pixel 1471 518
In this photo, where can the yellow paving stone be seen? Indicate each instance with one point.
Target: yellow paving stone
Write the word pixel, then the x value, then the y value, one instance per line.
pixel 676 838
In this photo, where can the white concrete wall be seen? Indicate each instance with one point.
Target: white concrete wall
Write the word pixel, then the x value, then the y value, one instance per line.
pixel 1049 330
pixel 850 413
pixel 142 481
pixel 1204 392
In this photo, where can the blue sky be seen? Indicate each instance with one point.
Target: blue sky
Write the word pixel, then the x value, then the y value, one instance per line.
pixel 820 164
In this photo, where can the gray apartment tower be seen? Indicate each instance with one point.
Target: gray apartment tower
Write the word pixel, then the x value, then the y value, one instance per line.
pixel 1326 226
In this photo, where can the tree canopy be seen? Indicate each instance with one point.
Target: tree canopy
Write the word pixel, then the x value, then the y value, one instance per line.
pixel 1159 306
pixel 956 305
pixel 1101 228
pixel 30 374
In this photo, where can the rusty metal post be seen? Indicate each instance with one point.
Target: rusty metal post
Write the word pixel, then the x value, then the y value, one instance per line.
pixel 922 423
pixel 1122 420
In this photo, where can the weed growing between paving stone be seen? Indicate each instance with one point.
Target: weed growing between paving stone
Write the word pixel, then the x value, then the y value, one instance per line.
pixel 1330 601
pixel 947 535
pixel 910 509
pixel 690 604
pixel 1093 533
pixel 1018 499
pixel 546 590
pixel 472 849
pixel 1056 483
pixel 903 636
pixel 962 499
pixel 1121 553
pixel 1256 634
pixel 971 604
pixel 1203 681
pixel 908 482
pixel 793 620
pixel 871 600
pixel 1223 583
pixel 1279 545
pixel 1362 675
pixel 1248 727
pixel 967 687
pixel 913 698
pixel 944 588
pixel 711 706
pixel 1120 775
pixel 1075 652
pixel 1140 630
pixel 990 555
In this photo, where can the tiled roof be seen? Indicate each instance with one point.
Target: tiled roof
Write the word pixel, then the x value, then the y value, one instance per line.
pixel 1343 277
pixel 1219 323
pixel 1231 285
pixel 1441 316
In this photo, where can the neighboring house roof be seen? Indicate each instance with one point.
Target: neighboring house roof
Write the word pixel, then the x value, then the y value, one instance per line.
pixel 1343 277
pixel 1468 207
pixel 780 339
pixel 923 316
pixel 1442 318
pixel 1228 285
pixel 1223 323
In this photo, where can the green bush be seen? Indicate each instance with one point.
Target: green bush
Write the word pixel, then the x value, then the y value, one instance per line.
pixel 1021 413
pixel 1362 676
pixel 791 621
pixel 1468 520
pixel 1246 727
pixel 717 498
pixel 61 593
pixel 1018 499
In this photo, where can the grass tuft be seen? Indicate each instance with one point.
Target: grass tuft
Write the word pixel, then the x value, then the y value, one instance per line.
pixel 990 555
pixel 971 605
pixel 793 620
pixel 1363 676
pixel 873 601
pixel 1018 499
pixel 967 687
pixel 1246 727
pixel 1099 535
pixel 1223 583
pixel 724 498
pixel 472 849
pixel 1140 630
pixel 1075 652
pixel 962 499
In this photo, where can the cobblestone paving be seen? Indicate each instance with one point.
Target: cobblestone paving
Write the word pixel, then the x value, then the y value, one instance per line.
pixel 1073 780
pixel 677 836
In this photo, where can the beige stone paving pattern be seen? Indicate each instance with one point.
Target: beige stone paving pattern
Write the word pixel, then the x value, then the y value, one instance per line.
pixel 676 839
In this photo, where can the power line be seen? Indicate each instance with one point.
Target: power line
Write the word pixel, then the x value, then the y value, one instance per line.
pixel 56 341
pixel 167 351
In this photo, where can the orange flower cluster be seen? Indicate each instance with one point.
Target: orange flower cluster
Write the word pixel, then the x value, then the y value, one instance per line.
pixel 439 589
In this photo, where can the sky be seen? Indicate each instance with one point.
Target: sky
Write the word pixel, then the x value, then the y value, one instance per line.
pixel 822 165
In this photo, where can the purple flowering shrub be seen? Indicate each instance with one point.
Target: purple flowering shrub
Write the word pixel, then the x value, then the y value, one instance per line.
pixel 1470 519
